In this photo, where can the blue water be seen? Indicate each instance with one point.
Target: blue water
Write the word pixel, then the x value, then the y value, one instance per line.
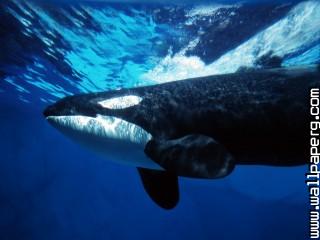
pixel 51 188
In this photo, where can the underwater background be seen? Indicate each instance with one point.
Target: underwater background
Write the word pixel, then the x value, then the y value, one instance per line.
pixel 51 188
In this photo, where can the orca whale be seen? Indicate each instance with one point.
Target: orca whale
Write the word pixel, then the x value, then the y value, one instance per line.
pixel 198 128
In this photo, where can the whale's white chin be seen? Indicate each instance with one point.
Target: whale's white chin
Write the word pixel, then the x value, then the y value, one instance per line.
pixel 115 138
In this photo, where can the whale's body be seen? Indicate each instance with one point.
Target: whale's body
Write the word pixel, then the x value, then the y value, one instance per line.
pixel 199 127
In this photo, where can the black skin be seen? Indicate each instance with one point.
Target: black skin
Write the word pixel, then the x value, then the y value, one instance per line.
pixel 258 116
pixel 203 127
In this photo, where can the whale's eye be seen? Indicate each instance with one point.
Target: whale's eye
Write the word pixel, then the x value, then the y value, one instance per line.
pixel 121 102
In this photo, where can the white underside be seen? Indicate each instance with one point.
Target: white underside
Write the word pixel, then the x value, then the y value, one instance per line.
pixel 115 138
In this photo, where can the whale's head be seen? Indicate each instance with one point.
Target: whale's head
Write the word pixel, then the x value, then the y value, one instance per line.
pixel 92 120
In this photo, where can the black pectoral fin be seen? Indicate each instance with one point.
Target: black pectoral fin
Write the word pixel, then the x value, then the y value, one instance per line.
pixel 161 186
pixel 196 156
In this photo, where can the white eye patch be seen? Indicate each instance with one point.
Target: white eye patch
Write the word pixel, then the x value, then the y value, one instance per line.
pixel 121 102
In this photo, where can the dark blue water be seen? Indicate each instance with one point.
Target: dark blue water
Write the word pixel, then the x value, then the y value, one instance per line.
pixel 51 188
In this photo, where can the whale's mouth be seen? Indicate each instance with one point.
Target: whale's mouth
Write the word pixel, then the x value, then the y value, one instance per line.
pixel 115 138
pixel 101 126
